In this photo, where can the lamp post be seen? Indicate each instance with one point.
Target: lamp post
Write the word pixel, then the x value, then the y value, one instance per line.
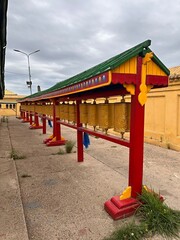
pixel 29 83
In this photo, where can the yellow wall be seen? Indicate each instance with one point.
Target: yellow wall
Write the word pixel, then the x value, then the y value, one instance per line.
pixel 162 116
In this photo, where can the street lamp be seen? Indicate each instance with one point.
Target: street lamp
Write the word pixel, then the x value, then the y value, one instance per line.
pixel 29 83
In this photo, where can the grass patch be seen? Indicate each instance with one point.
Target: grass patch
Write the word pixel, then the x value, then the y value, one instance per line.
pixel 4 119
pixel 69 146
pixel 60 152
pixel 130 232
pixel 154 218
pixel 159 218
pixel 16 156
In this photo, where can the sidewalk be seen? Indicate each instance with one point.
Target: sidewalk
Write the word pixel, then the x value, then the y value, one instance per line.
pixel 61 199
pixel 12 221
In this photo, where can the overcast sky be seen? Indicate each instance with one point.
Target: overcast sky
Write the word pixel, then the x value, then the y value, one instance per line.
pixel 74 35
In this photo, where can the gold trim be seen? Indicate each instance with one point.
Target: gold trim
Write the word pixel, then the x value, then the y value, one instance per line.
pixel 81 90
pixel 130 88
pixel 126 193
pixel 144 89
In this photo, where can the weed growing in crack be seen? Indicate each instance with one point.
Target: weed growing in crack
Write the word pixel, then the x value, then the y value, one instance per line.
pixel 16 156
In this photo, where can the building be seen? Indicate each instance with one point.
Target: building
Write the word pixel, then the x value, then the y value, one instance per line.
pixel 9 105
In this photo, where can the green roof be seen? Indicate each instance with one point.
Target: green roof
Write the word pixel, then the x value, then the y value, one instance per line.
pixel 139 50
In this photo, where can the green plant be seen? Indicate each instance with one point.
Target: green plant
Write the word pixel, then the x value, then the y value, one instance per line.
pixel 159 218
pixel 60 152
pixel 15 155
pixel 69 146
pixel 130 232
pixel 4 119
pixel 154 217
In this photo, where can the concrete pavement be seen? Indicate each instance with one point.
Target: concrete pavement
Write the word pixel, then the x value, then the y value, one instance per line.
pixel 46 196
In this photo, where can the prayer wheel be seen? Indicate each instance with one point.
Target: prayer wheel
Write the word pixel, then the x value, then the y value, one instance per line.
pixel 92 115
pixel 26 107
pixel 38 109
pixel 106 115
pixel 111 115
pixel 66 111
pixel 58 111
pixel 23 107
pixel 84 113
pixel 35 108
pixel 72 113
pixel 103 115
pixel 48 110
pixel 61 111
pixel 31 108
pixel 122 117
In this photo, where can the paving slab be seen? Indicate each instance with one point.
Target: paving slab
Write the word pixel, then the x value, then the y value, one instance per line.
pixel 63 199
pixel 12 221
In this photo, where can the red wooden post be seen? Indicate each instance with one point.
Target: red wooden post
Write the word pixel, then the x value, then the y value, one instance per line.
pixel 36 119
pixel 80 155
pixel 58 126
pixel 36 122
pixel 44 123
pixel 30 118
pixel 54 119
pixel 24 116
pixel 58 133
pixel 27 116
pixel 136 139
pixel 56 140
pixel 120 208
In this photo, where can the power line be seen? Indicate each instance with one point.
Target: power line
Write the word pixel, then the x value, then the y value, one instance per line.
pixel 16 73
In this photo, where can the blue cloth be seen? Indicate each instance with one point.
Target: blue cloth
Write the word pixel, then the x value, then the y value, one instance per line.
pixel 49 123
pixel 86 140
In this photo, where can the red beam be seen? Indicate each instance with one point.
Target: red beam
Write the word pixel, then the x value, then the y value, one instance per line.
pixel 123 78
pixel 68 124
pixel 106 137
pixel 98 134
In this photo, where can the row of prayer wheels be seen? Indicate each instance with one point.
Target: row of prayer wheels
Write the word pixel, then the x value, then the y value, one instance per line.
pixel 104 115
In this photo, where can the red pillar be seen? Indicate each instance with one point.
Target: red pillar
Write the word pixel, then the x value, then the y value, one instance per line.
pixel 27 116
pixel 30 118
pixel 136 139
pixel 57 139
pixel 36 119
pixel 44 123
pixel 36 122
pixel 23 115
pixel 54 119
pixel 126 207
pixel 80 155
pixel 58 130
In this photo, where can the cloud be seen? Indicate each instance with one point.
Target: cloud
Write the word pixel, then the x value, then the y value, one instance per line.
pixel 75 35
